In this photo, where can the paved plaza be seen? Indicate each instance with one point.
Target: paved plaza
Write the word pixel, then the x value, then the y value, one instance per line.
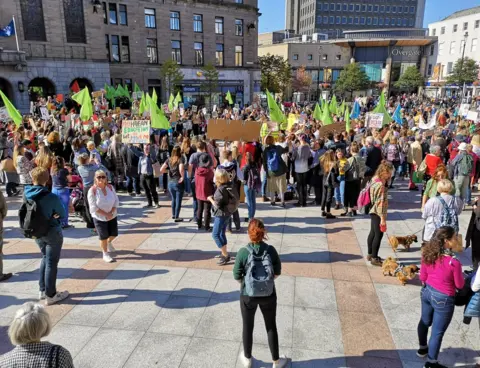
pixel 165 302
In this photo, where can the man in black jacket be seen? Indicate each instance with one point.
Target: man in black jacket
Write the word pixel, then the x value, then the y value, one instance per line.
pixel 132 155
pixel 373 160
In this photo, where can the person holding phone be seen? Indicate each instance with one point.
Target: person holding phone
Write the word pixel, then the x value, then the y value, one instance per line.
pixel 378 210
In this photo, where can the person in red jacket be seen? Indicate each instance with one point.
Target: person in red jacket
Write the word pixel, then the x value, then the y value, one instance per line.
pixel 203 189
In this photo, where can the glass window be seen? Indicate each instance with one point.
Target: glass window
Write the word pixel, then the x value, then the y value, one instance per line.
pixel 309 57
pixel 239 1
pixel 152 54
pixel 338 57
pixel 112 13
pixel 175 21
pixel 198 47
pixel 411 22
pixel 362 20
pixel 344 20
pixel 357 20
pixel 364 8
pixel 440 48
pixel 393 22
pixel 375 8
pixel 219 54
pixel 400 10
pixel 351 7
pixel 125 49
pixel 465 26
pixel 380 21
pixel 238 55
pixel 295 56
pixel 338 20
pixel 477 23
pixel 405 22
pixel 238 27
pixel 197 23
pixel 150 21
pixel 474 45
pixel 387 8
pixel 375 21
pixel 350 20
pixel 412 9
pixel 434 32
pixel 387 21
pixel 357 7
pixel 369 21
pixel 325 20
pixel 115 49
pixel 449 67
pixel 218 25
pixel 455 27
pixel 370 8
pixel 107 46
pixel 345 7
pixel 382 8
pixel 332 20
pixel 105 17
pixel 442 30
pixel 122 10
pixel 429 70
pixel 462 45
pixel 324 57
pixel 332 7
pixel 394 9
pixel 319 20
pixel 177 51
pixel 339 7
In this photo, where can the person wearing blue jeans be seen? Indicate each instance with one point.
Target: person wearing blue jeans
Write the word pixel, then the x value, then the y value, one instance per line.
pixel 250 198
pixel 176 176
pixel 176 191
pixel 340 191
pixel 50 244
pixel 194 197
pixel 251 178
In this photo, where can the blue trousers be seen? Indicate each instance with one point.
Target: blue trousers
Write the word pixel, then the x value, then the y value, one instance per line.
pixel 437 313
pixel 340 190
pixel 176 191
pixel 219 233
pixel 250 198
pixel 195 201
pixel 51 247
pixel 64 194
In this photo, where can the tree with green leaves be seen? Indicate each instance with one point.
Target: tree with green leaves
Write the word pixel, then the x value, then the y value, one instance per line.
pixel 276 73
pixel 464 71
pixel 210 82
pixel 171 76
pixel 352 78
pixel 410 80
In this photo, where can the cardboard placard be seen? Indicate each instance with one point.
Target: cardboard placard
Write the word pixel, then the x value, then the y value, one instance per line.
pixel 194 108
pixel 214 114
pixel 272 126
pixel 96 94
pixel 472 115
pixel 464 108
pixel 374 120
pixel 331 128
pixel 44 112
pixel 236 106
pixel 234 130
pixel 136 131
pixel 125 112
pixel 174 117
pixel 358 137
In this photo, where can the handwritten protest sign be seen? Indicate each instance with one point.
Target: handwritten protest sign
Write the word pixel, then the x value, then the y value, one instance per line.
pixel 136 131
pixel 234 130
pixel 472 115
pixel 374 119
pixel 44 112
pixel 194 108
pixel 96 94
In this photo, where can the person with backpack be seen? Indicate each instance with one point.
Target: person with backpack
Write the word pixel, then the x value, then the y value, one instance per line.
pixel 441 210
pixel 231 167
pixel 176 187
pixel 256 267
pixel 472 237
pixel 225 201
pixel 252 182
pixel 193 164
pixel 275 169
pixel 40 216
pixel 353 179
pixel 392 155
pixel 461 171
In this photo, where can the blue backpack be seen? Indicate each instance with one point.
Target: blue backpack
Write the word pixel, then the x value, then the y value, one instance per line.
pixel 259 278
pixel 273 160
pixel 448 216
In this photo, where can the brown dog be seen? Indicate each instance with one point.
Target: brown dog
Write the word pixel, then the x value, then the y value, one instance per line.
pixel 391 267
pixel 406 241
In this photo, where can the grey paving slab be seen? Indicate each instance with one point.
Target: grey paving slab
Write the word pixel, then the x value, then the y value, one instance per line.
pixel 158 351
pixel 305 255
pixel 227 287
pixel 9 303
pixel 391 296
pixel 138 311
pixel 315 293
pixel 208 353
pixel 156 243
pixel 180 315
pixel 125 276
pixel 108 348
pixel 5 344
pixel 161 279
pixel 302 358
pixel 285 287
pixel 261 356
pixel 221 320
pixel 285 327
pixel 197 282
pixel 71 337
pixel 328 338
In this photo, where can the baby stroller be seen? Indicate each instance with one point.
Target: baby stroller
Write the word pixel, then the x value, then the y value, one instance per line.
pixel 77 199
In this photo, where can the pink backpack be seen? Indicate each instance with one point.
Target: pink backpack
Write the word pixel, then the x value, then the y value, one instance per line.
pixel 364 197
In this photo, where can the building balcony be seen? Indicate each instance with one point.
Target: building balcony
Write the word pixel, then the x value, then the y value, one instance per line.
pixel 14 58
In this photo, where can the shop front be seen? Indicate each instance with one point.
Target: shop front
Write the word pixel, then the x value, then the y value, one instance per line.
pixel 197 93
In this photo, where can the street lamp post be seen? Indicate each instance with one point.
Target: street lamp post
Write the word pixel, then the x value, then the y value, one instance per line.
pixel 318 75
pixel 465 37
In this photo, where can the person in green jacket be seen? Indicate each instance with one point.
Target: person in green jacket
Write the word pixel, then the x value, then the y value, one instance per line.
pixel 248 304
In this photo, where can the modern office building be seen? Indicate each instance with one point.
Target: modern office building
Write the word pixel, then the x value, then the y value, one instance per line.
pixel 126 42
pixel 458 36
pixel 332 17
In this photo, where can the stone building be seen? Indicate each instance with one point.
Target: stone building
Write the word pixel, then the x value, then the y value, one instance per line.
pixel 126 42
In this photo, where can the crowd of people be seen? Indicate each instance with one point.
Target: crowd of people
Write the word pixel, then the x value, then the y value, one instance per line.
pixel 78 172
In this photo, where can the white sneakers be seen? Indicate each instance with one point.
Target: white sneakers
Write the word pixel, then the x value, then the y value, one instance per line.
pixel 59 296
pixel 41 295
pixel 107 258
pixel 110 248
pixel 246 363
pixel 281 363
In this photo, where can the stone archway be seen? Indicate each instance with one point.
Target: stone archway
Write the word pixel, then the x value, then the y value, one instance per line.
pixel 82 83
pixel 41 87
pixel 7 89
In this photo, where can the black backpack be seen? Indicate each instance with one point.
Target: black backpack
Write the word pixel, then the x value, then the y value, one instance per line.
pixel 33 223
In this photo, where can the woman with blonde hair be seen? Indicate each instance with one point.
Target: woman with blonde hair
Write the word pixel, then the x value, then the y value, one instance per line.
pixel 440 173
pixel 44 158
pixel 23 165
pixel 29 326
pixel 176 178
pixel 187 151
pixel 330 182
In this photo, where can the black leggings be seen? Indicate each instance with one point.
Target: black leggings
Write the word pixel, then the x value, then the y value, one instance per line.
pixel 302 188
pixel 375 236
pixel 352 191
pixel 327 198
pixel 88 216
pixel 268 306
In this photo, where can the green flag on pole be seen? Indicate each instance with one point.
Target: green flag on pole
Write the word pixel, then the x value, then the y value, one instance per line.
pixel 83 98
pixel 317 113
pixel 229 98
pixel 342 108
pixel 178 99
pixel 326 117
pixel 136 88
pixel 275 112
pixel 347 119
pixel 157 118
pixel 154 96
pixel 13 113
pixel 333 105
pixel 170 102
pixel 380 108
pixel 143 105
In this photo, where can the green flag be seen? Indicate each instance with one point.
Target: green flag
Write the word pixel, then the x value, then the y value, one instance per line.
pixel 13 113
pixel 229 98
pixel 317 113
pixel 178 99
pixel 83 98
pixel 380 108
pixel 154 96
pixel 157 118
pixel 143 105
pixel 170 102
pixel 136 88
pixel 326 117
pixel 347 119
pixel 275 112
pixel 342 108
pixel 333 105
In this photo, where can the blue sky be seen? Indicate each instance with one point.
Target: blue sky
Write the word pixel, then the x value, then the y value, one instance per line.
pixel 273 12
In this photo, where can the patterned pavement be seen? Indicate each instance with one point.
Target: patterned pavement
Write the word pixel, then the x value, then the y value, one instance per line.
pixel 165 303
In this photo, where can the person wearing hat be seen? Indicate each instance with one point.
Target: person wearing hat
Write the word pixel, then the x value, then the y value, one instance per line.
pixel 462 168
pixel 203 189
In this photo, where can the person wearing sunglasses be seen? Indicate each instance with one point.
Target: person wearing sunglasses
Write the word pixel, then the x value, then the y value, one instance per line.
pixel 103 202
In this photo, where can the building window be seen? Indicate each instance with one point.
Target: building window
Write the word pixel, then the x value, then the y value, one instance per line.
pixel 238 55
pixel 449 67
pixel 74 21
pixel 462 45
pixel 382 8
pixel 338 20
pixel 387 21
pixel 105 18
pixel 238 27
pixel 128 84
pixel 150 21
pixel 362 20
pixel 345 7
pixel 325 20
pixel 440 48
pixel 405 22
pixel 442 30
pixel 310 57
pixel 239 1
pixel 375 21
pixel 332 7
pixel 375 8
pixel 357 7
pixel 198 47
pixel 197 23
pixel 177 51
pixel 412 9
pixel 432 50
pixel 455 27
pixel 125 50
pixel 369 21
pixel 434 32
pixel 152 54
pixel 344 20
pixel 338 57
pixel 332 20
pixel 411 22
pixel 174 21
pixel 112 13
pixel 351 7
pixel 387 8
pixel 218 25
pixel 400 10
pixel 465 26
pixel 380 21
pixel 339 7
pixel 219 54
pixel 295 56
pixel 115 49
pixel 122 11
pixel 393 22
pixel 477 23
pixel 452 47
pixel 324 57
pixel 107 46
pixel 429 70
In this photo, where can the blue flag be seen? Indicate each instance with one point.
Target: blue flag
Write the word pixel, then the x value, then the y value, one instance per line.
pixel 397 116
pixel 8 30
pixel 355 111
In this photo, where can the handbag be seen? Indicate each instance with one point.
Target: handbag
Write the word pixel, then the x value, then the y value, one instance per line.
pixel 156 169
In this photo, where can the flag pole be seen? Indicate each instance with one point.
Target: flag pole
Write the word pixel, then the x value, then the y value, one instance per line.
pixel 15 30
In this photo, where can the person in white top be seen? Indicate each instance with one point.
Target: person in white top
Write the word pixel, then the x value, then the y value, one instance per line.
pixel 103 202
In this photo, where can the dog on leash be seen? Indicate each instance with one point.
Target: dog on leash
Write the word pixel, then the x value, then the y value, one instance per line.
pixel 406 241
pixel 391 267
